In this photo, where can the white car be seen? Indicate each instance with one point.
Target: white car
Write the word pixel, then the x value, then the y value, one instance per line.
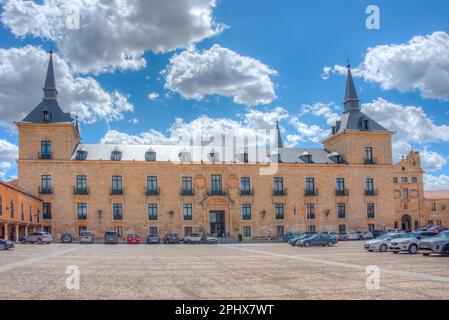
pixel 409 242
pixel 193 238
pixel 381 243
pixel 352 236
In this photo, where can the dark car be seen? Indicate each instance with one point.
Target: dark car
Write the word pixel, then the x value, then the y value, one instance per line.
pixel 290 235
pixel 171 238
pixel 318 240
pixel 66 238
pixel 153 239
pixel 6 244
pixel 111 237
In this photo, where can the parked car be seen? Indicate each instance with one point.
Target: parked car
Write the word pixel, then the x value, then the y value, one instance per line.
pixel 409 242
pixel 37 237
pixel 379 233
pixel 295 239
pixel 6 244
pixel 317 240
pixel 111 237
pixel 290 235
pixel 437 244
pixel 365 235
pixel 171 238
pixel 133 238
pixel 342 236
pixel 438 229
pixel 86 237
pixel 352 236
pixel 381 243
pixel 153 239
pixel 66 238
pixel 208 239
pixel 193 238
pixel 298 239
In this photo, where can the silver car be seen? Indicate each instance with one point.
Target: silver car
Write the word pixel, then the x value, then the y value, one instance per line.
pixel 86 237
pixel 37 237
pixel 381 243
pixel 438 244
pixel 409 242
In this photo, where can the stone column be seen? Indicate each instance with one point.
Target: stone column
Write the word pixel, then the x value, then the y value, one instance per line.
pixel 17 233
pixel 6 232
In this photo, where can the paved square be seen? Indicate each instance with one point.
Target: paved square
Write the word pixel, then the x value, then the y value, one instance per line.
pixel 233 271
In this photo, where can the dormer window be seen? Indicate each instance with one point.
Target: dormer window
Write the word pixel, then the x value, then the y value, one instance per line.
pixel 185 156
pixel 150 156
pixel 46 116
pixel 364 124
pixel 81 155
pixel 213 156
pixel 306 157
pixel 116 155
pixel 245 157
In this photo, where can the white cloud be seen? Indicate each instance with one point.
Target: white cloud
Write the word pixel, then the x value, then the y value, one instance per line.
pixel 410 122
pixel 153 96
pixel 8 155
pixel 432 182
pixel 252 124
pixel 325 110
pixel 432 161
pixel 420 65
pixel 195 74
pixel 113 34
pixel 306 132
pixel 22 76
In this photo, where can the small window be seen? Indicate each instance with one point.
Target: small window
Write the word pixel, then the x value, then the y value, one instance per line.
pixel 152 212
pixel 341 210
pixel 245 157
pixel 81 155
pixel 279 211
pixel 414 179
pixel 434 206
pixel 150 156
pixel 404 179
pixel 312 228
pixel 395 180
pixel 247 232
pixel 246 211
pixel 117 211
pixel 311 214
pixel 280 231
pixel 370 209
pixel 116 155
pixel 187 212
pixel 46 116
pixel 153 231
pixel 341 228
pixel 405 193
pixel 365 124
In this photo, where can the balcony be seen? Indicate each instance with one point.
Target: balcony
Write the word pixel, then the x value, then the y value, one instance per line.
pixel 82 217
pixel 311 193
pixel 81 190
pixel 246 192
pixel 371 193
pixel 370 161
pixel 47 216
pixel 187 192
pixel 45 156
pixel 279 193
pixel 342 193
pixel 117 192
pixel 153 192
pixel 217 192
pixel 45 190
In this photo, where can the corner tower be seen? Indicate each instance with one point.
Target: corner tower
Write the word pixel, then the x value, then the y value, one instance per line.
pixel 356 137
pixel 47 132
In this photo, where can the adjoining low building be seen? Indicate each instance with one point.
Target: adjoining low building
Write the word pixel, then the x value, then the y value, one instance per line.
pixel 436 207
pixel 349 184
pixel 20 212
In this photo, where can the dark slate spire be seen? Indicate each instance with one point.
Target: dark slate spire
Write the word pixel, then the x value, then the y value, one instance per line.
pixel 49 111
pixel 351 100
pixel 278 140
pixel 50 91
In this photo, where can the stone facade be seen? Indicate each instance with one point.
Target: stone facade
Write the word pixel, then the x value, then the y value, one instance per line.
pixel 436 207
pixel 355 185
pixel 20 212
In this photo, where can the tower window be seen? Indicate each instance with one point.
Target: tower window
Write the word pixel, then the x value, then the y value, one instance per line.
pixel 150 156
pixel 46 116
pixel 116 156
pixel 81 155
pixel 365 124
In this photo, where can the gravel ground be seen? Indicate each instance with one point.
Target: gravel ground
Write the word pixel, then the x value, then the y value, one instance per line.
pixel 231 271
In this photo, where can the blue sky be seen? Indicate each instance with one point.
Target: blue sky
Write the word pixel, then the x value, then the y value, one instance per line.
pixel 284 45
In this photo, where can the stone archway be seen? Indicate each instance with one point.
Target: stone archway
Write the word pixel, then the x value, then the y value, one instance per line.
pixel 406 222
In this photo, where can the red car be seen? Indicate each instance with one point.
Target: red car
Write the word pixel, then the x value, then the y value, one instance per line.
pixel 133 239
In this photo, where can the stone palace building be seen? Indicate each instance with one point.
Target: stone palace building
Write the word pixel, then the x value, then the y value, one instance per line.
pixel 351 183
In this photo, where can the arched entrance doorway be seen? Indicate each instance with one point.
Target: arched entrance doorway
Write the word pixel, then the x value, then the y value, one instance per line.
pixel 406 222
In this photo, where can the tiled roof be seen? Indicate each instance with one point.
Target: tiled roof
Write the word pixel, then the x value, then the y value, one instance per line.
pixel 17 188
pixel 170 153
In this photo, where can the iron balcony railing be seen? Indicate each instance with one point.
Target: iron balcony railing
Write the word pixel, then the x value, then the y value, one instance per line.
pixel 217 192
pixel 246 192
pixel 81 190
pixel 371 193
pixel 311 192
pixel 117 191
pixel 45 156
pixel 279 192
pixel 341 193
pixel 187 192
pixel 153 192
pixel 370 161
pixel 45 190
